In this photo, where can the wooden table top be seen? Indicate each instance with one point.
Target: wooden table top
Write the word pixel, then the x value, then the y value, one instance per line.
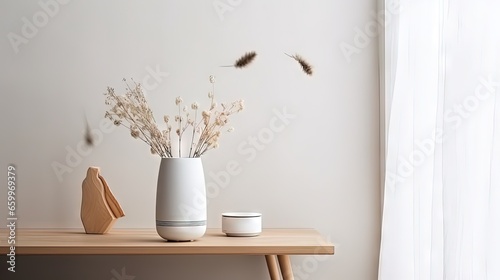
pixel 148 242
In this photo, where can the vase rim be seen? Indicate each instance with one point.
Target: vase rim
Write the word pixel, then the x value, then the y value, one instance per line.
pixel 180 158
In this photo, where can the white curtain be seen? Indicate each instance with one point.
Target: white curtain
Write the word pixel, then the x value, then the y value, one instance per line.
pixel 441 214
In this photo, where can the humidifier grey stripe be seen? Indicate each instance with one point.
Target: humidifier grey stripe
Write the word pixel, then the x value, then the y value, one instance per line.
pixel 181 223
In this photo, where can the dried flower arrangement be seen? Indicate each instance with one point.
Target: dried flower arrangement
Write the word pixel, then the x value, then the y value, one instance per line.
pixel 132 111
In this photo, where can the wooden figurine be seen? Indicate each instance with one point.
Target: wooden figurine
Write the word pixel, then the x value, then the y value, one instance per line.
pixel 99 207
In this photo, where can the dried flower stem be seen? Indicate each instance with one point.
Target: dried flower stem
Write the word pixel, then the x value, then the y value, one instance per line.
pixel 179 121
pixel 193 132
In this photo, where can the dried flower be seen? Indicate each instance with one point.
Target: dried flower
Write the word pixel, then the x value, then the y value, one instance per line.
pixel 306 67
pixel 194 106
pixel 178 100
pixel 241 105
pixel 205 114
pixel 213 105
pixel 211 78
pixel 135 133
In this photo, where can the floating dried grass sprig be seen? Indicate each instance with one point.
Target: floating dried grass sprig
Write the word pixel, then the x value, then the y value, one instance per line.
pixel 306 67
pixel 89 139
pixel 244 60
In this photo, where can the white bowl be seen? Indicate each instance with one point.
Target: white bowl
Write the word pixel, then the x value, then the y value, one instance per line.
pixel 241 224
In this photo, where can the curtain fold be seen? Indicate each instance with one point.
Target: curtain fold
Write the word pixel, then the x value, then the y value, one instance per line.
pixel 441 214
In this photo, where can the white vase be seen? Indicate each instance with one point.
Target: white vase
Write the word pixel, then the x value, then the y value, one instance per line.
pixel 181 206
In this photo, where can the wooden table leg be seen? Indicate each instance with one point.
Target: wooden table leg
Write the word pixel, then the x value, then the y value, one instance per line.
pixel 286 267
pixel 272 265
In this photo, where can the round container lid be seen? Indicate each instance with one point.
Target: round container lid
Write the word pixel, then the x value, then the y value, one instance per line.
pixel 241 215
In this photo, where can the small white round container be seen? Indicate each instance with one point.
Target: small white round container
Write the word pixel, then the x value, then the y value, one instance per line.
pixel 241 224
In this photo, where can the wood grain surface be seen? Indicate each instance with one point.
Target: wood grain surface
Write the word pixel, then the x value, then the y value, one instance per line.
pixel 147 242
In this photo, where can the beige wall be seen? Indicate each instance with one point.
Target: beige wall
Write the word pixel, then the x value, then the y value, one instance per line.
pixel 319 168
